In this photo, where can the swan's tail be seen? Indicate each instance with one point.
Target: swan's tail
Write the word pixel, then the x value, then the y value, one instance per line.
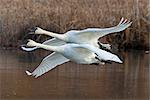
pixel 28 73
pixel 116 59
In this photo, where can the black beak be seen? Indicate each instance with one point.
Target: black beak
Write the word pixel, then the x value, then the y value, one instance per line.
pixel 32 29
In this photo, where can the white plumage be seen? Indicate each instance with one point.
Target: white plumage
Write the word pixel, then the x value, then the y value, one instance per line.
pixel 48 63
pixel 80 46
pixel 87 36
pixel 79 53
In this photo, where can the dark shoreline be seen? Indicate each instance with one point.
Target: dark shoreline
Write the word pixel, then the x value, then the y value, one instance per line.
pixel 146 49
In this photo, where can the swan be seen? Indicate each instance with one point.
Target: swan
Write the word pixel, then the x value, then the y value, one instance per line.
pixel 88 36
pixel 79 53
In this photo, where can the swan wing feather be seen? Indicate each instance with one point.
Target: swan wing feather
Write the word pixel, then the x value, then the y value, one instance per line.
pixel 48 63
pixel 96 33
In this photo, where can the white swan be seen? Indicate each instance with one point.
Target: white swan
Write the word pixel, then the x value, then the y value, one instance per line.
pixel 88 36
pixel 79 53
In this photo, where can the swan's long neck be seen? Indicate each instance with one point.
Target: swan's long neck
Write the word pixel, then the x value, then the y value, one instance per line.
pixel 55 35
pixel 48 47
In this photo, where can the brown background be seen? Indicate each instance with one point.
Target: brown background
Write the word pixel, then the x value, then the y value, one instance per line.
pixel 16 16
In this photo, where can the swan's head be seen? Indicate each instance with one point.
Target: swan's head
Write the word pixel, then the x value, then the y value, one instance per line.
pixel 36 30
pixel 31 43
pixel 39 30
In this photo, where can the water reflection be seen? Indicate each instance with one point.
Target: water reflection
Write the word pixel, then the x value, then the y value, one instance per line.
pixel 129 80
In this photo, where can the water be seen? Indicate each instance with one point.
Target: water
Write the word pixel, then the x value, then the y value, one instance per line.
pixel 71 81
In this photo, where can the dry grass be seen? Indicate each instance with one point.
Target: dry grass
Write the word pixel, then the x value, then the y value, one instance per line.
pixel 16 16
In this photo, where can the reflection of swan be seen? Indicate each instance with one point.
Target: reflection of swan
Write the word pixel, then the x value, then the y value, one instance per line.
pixel 88 36
pixel 79 53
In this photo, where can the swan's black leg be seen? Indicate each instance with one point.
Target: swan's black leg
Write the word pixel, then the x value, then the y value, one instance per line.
pixel 97 57
pixel 94 64
pixel 103 61
pixel 109 62
pixel 102 47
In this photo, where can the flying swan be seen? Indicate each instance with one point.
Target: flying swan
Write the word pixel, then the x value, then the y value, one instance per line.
pixel 88 36
pixel 79 53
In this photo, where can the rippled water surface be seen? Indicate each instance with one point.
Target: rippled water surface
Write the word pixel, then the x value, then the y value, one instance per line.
pixel 71 81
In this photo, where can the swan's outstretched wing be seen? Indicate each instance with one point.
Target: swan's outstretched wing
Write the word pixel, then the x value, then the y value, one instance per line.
pixel 95 33
pixel 48 63
pixel 52 42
